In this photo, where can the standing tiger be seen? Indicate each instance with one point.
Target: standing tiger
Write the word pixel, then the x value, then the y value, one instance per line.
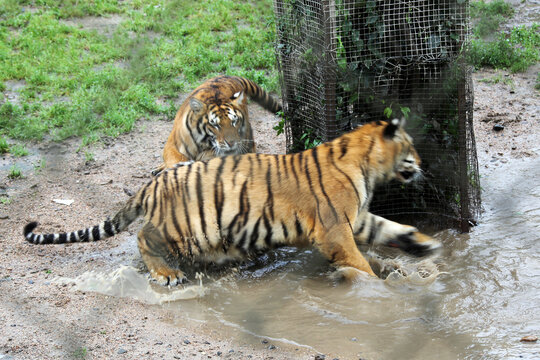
pixel 213 121
pixel 237 206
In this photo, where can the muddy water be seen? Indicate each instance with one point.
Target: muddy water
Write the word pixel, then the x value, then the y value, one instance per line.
pixel 475 300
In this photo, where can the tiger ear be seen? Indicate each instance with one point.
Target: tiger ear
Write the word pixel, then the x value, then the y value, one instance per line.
pixel 393 126
pixel 238 97
pixel 196 105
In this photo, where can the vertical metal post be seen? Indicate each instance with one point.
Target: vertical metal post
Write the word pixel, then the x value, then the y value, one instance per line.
pixel 462 152
pixel 332 128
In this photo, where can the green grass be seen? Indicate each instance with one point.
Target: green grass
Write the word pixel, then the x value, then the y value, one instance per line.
pixel 498 78
pixel 487 17
pixel 79 82
pixel 4 146
pixel 15 172
pixel 537 85
pixel 514 51
pixel 18 150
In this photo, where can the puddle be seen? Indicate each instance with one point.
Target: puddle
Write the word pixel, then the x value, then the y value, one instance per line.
pixel 477 299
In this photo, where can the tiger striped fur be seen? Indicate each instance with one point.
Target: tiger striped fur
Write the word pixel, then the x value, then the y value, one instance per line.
pixel 213 121
pixel 240 205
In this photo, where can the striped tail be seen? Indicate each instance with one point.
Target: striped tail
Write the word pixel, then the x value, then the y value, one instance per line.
pixel 106 229
pixel 261 97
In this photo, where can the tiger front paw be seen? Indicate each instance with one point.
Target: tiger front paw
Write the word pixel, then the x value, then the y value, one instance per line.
pixel 415 243
pixel 168 277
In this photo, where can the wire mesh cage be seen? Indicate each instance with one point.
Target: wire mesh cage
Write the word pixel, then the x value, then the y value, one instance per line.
pixel 343 63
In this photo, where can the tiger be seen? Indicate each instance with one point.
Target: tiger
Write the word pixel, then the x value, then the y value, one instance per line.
pixel 238 206
pixel 213 121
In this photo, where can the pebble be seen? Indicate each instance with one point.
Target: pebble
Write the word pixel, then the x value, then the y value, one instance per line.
pixel 121 351
pixel 271 347
pixel 187 342
pixel 530 338
pixel 30 282
pixel 219 353
pixel 320 357
pixel 498 127
pixel 264 341
pixel 354 339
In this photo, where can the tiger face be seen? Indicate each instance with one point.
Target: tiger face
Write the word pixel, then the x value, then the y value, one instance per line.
pixel 213 121
pixel 407 161
pixel 224 130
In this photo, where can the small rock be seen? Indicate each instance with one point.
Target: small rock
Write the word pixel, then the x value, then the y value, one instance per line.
pixel 264 341
pixel 121 351
pixel 129 192
pixel 187 342
pixel 498 127
pixel 159 343
pixel 320 357
pixel 30 282
pixel 4 216
pixel 271 347
pixel 530 338
pixel 354 339
pixel 219 353
pixel 231 351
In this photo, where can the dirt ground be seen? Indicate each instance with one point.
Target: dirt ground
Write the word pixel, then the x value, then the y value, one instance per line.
pixel 42 319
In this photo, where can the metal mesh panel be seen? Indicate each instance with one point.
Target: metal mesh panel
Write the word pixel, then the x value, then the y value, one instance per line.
pixel 346 62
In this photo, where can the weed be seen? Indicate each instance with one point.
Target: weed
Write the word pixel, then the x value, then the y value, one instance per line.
pixel 88 156
pixel 18 150
pixel 4 146
pixel 310 140
pixel 80 353
pixel 280 127
pixel 537 85
pixel 5 200
pixel 39 166
pixel 15 172
pixel 498 78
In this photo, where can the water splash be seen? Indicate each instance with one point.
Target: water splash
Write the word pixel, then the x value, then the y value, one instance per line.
pixel 126 281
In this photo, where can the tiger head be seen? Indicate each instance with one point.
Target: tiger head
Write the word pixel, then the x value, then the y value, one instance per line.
pixel 223 126
pixel 404 165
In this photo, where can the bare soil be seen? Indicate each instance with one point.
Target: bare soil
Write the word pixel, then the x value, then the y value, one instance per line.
pixel 42 319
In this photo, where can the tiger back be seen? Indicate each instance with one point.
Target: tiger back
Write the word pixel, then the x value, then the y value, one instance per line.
pixel 237 206
pixel 214 121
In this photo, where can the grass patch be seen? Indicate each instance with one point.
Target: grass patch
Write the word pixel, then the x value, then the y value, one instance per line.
pixel 498 78
pixel 537 85
pixel 18 150
pixel 487 17
pixel 4 146
pixel 514 51
pixel 15 172
pixel 79 82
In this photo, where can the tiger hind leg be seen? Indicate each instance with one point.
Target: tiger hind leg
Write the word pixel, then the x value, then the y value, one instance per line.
pixel 154 252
